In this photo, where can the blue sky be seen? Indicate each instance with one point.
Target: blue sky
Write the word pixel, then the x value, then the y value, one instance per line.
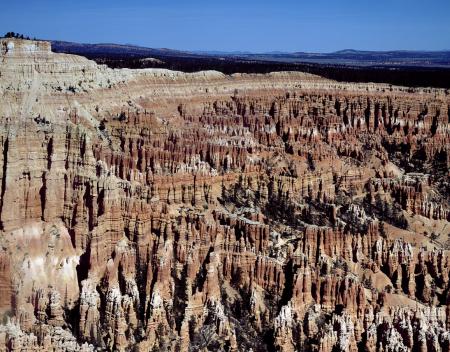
pixel 258 26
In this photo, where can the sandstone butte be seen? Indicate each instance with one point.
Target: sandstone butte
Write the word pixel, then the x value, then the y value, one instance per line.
pixel 153 210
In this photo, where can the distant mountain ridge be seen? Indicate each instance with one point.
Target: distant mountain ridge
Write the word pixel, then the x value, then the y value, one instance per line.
pixel 110 48
pixel 350 57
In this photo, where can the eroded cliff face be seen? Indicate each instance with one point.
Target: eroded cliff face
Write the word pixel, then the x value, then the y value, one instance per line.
pixel 157 210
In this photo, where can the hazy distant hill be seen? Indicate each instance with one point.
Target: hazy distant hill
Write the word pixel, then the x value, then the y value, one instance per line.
pixel 113 49
pixel 364 58
pixel 342 57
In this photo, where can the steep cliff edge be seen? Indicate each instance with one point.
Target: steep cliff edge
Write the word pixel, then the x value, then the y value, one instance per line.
pixel 159 210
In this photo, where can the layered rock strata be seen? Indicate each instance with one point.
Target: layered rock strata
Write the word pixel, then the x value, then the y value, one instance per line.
pixel 158 210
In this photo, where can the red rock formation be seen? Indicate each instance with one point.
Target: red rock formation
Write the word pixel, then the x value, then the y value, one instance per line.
pixel 156 210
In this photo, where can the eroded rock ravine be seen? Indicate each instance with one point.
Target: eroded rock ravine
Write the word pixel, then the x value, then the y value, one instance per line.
pixel 153 210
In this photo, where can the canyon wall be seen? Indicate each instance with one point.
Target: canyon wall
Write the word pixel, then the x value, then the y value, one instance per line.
pixel 153 210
